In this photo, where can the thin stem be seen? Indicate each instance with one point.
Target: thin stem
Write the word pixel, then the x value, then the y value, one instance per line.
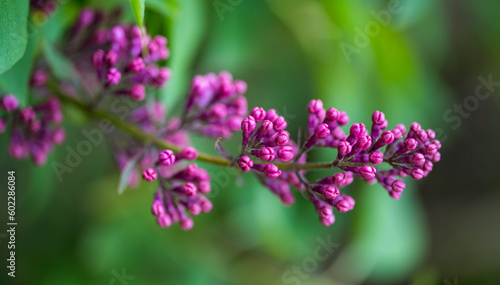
pixel 151 138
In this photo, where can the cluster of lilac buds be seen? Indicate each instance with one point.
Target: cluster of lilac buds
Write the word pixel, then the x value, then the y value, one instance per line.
pixel 182 189
pixel 34 130
pixel 215 105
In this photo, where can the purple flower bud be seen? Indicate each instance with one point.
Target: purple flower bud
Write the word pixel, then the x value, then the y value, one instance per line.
pixel 280 124
pixel 376 157
pixel 378 118
pixel 164 221
pixel 418 159
pixel 187 224
pixel 204 187
pixel 428 165
pixel 266 126
pixel 422 135
pixel 282 138
pixel 9 102
pixel 86 17
pixel 27 114
pixel 411 144
pixel 189 189
pixel 386 138
pixel 248 124
pixel 287 198
pixel 189 153
pixel 397 133
pixel 431 134
pixel 240 87
pixel 431 149
pixel 355 130
pixel 343 148
pixel 330 192
pixel 437 143
pixel 162 77
pixel 398 186
pixel 344 204
pixel 98 59
pixel 149 175
pixel 436 157
pixel 245 163
pixel 286 153
pixel 343 119
pixel 315 106
pixel 34 126
pixel 367 172
pixel 218 110
pixel 136 65
pixel 332 114
pixel 39 78
pixel 322 131
pixel 157 208
pixel 111 58
pixel 266 154
pixel 137 92
pixel 113 77
pixel 206 205
pixel 339 179
pixel 271 115
pixel 417 173
pixel 415 127
pixel 364 142
pixel 325 212
pixel 166 158
pixel 194 209
pixel 3 124
pixel 258 113
pixel 272 171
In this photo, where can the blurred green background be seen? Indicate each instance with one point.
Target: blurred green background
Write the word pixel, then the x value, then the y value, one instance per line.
pixel 414 60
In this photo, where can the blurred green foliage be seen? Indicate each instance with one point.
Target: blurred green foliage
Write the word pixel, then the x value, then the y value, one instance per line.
pixel 358 56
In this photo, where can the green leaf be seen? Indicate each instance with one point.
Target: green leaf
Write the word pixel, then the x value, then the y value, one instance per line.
pixel 13 35
pixel 125 176
pixel 61 67
pixel 16 79
pixel 138 7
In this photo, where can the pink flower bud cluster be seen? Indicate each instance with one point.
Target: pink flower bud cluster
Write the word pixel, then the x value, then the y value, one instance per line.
pixel 182 191
pixel 215 105
pixel 34 130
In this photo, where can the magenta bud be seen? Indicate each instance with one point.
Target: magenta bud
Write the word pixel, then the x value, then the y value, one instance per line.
pixel 164 221
pixel 322 131
pixel 149 175
pixel 27 114
pixel 204 187
pixel 339 178
pixel 206 205
pixel 10 102
pixel 287 198
pixel 367 172
pixel 286 153
pixel 431 149
pixel 248 124
pixel 113 76
pixel 194 209
pixel 437 143
pixel 376 157
pixel 401 127
pixel 415 127
pixel 345 204
pixel 272 171
pixel 138 92
pixel 387 137
pixel 189 189
pixel 187 224
pixel 245 163
pixel 157 208
pixel 98 59
pixel 343 119
pixel 344 148
pixel 418 159
pixel 3 124
pixel 189 153
pixel 240 87
pixel 266 126
pixel 282 138
pixel 111 58
pixel 431 134
pixel 266 154
pixel 378 118
pixel 428 165
pixel 398 186
pixel 422 135
pixel 330 192
pixel 271 115
pixel 364 142
pixel 136 65
pixel 411 144
pixel 355 130
pixel 332 114
pixel 218 110
pixel 280 124
pixel 166 158
pixel 417 173
pixel 325 212
pixel 315 106
pixel 258 113
pixel 436 157
pixel 327 221
pixel 39 78
pixel 397 133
